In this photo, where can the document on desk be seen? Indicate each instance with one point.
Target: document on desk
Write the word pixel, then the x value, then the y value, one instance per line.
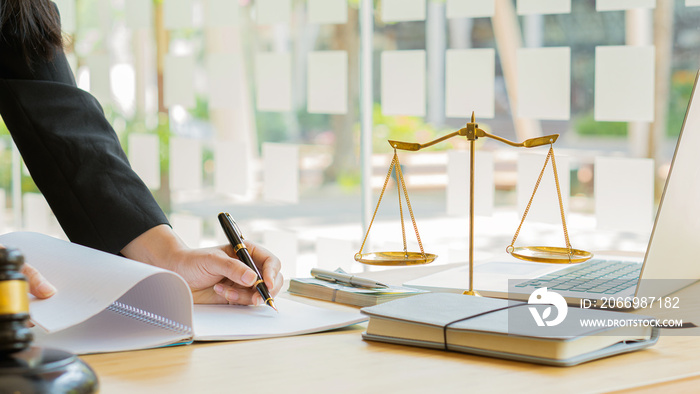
pixel 106 303
pixel 235 322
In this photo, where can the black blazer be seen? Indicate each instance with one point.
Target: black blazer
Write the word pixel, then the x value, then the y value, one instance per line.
pixel 73 154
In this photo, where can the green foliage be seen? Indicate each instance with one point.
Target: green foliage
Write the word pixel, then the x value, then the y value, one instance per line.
pixel 403 128
pixel 587 126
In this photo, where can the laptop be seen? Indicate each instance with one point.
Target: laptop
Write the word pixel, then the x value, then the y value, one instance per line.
pixel 671 262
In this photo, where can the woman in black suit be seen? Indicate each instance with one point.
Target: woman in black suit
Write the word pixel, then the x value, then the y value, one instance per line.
pixel 75 159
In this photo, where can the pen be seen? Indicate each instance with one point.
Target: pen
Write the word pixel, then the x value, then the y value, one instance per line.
pixel 348 279
pixel 235 237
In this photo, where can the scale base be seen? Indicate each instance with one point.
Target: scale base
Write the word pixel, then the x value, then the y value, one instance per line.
pixel 471 293
pixel 45 370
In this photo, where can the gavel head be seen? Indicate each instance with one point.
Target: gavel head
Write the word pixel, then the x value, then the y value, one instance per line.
pixel 14 303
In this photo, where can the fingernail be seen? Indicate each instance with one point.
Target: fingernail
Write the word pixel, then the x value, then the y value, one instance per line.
pixel 249 278
pixel 231 295
pixel 218 288
pixel 46 289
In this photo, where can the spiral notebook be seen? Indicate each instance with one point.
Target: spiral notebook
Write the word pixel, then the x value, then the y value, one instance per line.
pixel 107 303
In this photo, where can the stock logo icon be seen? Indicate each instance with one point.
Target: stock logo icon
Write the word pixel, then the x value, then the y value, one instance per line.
pixel 543 297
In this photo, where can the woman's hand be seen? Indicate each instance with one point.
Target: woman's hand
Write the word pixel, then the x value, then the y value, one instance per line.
pixel 39 287
pixel 213 274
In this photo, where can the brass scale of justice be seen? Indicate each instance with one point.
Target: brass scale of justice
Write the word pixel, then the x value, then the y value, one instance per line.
pixel 540 254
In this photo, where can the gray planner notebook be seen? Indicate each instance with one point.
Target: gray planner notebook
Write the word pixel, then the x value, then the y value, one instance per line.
pixel 508 329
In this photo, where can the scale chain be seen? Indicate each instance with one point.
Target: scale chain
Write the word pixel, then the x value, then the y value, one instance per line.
pixel 561 204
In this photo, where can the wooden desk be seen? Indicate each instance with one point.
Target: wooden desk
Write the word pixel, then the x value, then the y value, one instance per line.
pixel 341 361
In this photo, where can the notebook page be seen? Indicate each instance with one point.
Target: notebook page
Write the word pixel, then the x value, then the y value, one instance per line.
pixel 89 281
pixel 235 322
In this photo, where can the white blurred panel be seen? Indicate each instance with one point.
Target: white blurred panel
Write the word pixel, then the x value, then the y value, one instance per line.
pixel 616 5
pixel 231 172
pixel 281 173
pixel 624 193
pixel 284 245
pixel 139 14
pixel 528 7
pixel 403 83
pixel 188 228
pixel 458 183
pixel 327 82
pixel 144 156
pixel 328 11
pixel 221 80
pixel 470 83
pixel 544 83
pixel 37 214
pixel 178 78
pixel 692 3
pixel 273 79
pixel 99 66
pixel 403 10
pixel 185 164
pixel 470 8
pixel 177 14
pixel 220 13
pixel 269 12
pixel 624 83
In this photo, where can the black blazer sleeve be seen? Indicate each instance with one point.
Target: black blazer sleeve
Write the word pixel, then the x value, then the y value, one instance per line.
pixel 73 154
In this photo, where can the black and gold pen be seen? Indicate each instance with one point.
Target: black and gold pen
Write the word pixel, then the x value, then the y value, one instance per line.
pixel 235 237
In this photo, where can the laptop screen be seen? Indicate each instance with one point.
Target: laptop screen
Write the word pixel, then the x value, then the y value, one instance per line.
pixel 674 246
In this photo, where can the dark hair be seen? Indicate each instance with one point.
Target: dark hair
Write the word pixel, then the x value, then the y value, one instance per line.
pixel 33 26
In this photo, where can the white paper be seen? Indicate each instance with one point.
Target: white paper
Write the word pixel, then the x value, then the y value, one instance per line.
pixel 403 83
pixel 221 80
pixel 281 172
pixel 185 164
pixel 470 83
pixel 624 193
pixel 624 83
pixel 221 13
pixel 99 78
pixel 470 8
pixel 615 5
pixel 285 246
pixel 178 76
pixel 88 281
pixel 458 183
pixel 328 11
pixel 231 168
pixel 68 15
pixel 327 82
pixel 144 157
pixel 177 14
pixel 235 322
pixel 403 10
pixel 528 7
pixel 273 79
pixel 139 14
pixel 692 3
pixel 188 228
pixel 332 253
pixel 544 83
pixel 269 12
pixel 36 212
pixel 545 206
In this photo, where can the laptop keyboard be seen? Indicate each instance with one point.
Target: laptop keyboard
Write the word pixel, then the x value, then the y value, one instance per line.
pixel 595 276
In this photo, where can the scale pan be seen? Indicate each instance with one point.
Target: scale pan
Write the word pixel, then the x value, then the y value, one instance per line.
pixel 395 258
pixel 549 254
